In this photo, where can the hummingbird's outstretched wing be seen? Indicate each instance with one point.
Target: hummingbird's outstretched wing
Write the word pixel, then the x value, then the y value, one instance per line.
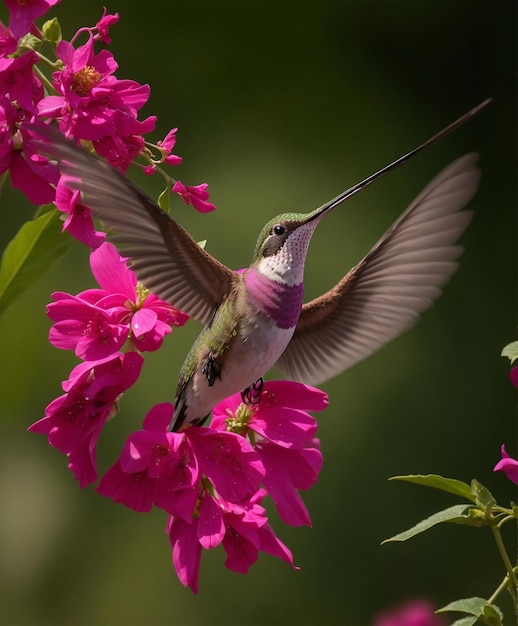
pixel 165 258
pixel 384 294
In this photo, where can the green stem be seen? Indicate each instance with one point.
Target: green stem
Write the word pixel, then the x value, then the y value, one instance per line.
pixel 45 80
pixel 499 589
pixel 505 557
pixel 505 519
pixel 48 62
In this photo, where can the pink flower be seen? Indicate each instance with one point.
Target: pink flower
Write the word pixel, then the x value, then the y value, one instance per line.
pixel 167 145
pixel 103 26
pixel 8 42
pixel 23 14
pixel 126 143
pixel 97 322
pixel 31 173
pixel 507 465
pixel 228 460
pixel 155 467
pixel 242 529
pixel 84 327
pixel 18 83
pixel 73 422
pixel 283 433
pixel 79 222
pixel 197 196
pixel 413 613
pixel 513 375
pixel 167 466
pixel 94 105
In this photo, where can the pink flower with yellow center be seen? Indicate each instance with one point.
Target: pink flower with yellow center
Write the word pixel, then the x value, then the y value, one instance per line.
pixel 97 322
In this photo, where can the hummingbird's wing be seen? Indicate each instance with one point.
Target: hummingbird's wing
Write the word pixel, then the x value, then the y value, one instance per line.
pixel 165 258
pixel 384 294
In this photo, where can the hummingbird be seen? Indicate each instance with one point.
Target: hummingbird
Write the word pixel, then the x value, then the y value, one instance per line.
pixel 256 319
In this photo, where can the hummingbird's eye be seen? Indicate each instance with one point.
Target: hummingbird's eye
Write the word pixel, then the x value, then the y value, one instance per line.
pixel 278 229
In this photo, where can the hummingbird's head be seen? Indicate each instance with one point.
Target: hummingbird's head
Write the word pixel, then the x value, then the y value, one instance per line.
pixel 282 246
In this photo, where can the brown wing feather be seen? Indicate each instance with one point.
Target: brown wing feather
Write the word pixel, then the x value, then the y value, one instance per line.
pixel 166 259
pixel 385 293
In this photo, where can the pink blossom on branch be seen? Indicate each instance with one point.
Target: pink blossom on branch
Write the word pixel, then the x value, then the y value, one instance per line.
pixel 79 222
pixel 197 196
pixel 94 105
pixel 97 322
pixel 23 14
pixel 242 529
pixel 18 83
pixel 73 422
pixel 33 174
pixel 8 43
pixel 283 434
pixel 167 145
pixel 508 465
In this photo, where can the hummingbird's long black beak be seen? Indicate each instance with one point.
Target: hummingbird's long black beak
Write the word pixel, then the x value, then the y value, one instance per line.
pixel 328 206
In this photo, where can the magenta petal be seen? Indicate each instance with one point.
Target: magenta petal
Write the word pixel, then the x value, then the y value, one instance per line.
pixel 186 552
pixel 178 502
pixel 228 460
pixel 286 472
pixel 143 321
pixel 284 426
pixel 132 490
pixel 111 272
pixel 144 450
pixel 211 528
pixel 271 544
pixel 509 466
pixel 33 186
pixel 159 417
pixel 241 552
pixel 294 395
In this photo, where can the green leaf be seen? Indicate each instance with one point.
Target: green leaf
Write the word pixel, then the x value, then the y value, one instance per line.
pixel 483 496
pixel 458 514
pixel 163 200
pixel 451 485
pixel 478 608
pixel 465 621
pixel 34 248
pixel 511 351
pixel 493 614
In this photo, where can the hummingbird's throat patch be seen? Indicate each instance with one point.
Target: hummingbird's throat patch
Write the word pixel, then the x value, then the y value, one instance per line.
pixel 281 303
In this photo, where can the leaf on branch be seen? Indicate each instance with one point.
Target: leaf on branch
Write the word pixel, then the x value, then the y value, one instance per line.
pixel 457 514
pixel 477 608
pixel 163 200
pixel 34 248
pixel 451 485
pixel 465 621
pixel 484 497
pixel 511 351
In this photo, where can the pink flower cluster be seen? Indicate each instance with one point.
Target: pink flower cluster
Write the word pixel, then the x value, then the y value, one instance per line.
pixel 97 324
pixel 89 104
pixel 209 479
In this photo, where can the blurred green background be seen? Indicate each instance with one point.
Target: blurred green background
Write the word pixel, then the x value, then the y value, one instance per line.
pixel 280 106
